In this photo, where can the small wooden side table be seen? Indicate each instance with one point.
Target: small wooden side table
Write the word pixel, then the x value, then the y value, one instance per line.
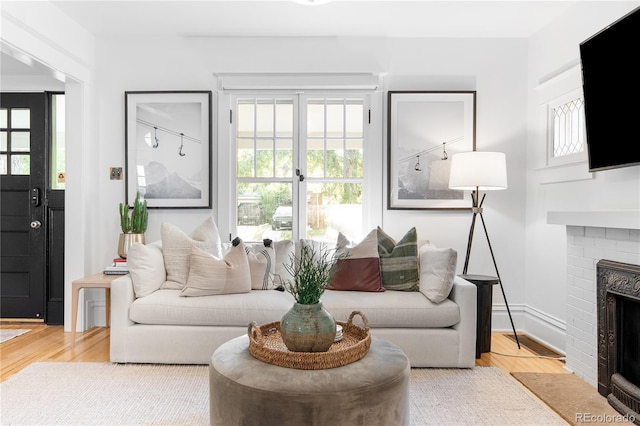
pixel 485 284
pixel 93 281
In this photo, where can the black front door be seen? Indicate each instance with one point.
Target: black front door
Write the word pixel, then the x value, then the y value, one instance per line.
pixel 22 213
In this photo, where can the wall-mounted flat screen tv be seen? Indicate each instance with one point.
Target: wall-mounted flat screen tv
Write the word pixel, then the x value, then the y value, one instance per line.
pixel 611 85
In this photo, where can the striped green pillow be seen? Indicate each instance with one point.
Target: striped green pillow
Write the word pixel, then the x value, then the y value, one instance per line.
pixel 399 261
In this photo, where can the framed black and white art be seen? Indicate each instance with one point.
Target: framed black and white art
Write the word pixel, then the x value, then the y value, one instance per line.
pixel 168 140
pixel 424 130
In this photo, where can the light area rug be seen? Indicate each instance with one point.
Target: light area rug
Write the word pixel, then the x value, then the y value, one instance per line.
pixel 55 393
pixel 8 333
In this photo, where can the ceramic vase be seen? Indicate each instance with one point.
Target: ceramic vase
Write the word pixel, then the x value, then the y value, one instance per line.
pixel 308 328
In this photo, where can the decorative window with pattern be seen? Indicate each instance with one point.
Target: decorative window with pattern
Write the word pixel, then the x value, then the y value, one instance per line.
pixel 567 131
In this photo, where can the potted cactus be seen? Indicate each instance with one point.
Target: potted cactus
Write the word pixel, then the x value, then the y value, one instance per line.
pixel 133 226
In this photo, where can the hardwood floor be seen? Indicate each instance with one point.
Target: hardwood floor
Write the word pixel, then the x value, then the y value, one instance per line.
pixel 51 343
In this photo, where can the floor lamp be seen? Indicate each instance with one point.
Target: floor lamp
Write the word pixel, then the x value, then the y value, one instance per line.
pixel 475 171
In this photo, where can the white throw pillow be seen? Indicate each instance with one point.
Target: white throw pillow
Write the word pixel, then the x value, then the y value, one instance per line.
pixel 262 264
pixel 146 267
pixel 284 249
pixel 210 276
pixel 437 272
pixel 176 247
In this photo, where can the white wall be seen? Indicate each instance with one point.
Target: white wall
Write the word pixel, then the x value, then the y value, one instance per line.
pixel 504 72
pixel 495 68
pixel 554 70
pixel 34 31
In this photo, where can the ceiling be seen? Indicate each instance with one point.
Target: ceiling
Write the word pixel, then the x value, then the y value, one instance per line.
pixel 287 18
pixel 360 18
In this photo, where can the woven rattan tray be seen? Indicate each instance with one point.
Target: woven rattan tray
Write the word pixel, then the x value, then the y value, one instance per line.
pixel 265 344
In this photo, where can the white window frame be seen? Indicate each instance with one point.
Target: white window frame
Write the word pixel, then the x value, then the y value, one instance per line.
pixel 372 196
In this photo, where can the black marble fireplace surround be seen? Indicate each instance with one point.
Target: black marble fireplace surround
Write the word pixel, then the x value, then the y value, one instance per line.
pixel 618 299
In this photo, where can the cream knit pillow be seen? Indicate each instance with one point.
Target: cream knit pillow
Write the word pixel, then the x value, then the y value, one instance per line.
pixel 210 276
pixel 437 272
pixel 176 247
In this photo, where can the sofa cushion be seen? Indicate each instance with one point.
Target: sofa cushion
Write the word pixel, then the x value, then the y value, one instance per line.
pixel 262 264
pixel 389 309
pixel 146 266
pixel 176 246
pixel 392 308
pixel 358 266
pixel 285 250
pixel 209 275
pixel 237 310
pixel 399 261
pixel 437 272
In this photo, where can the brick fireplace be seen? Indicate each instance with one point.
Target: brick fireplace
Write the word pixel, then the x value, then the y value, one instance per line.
pixel 591 237
pixel 618 306
pixel 586 246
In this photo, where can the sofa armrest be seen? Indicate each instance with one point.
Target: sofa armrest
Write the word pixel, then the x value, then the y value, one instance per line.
pixel 122 296
pixel 464 294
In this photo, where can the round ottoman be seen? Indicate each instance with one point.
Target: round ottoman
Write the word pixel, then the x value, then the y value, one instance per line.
pixel 246 391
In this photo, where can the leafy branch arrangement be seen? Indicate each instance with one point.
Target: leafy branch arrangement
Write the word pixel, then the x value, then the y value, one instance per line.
pixel 137 222
pixel 312 273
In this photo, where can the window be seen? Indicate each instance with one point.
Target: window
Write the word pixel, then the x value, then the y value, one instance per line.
pixel 15 141
pixel 566 130
pixel 300 166
pixel 57 156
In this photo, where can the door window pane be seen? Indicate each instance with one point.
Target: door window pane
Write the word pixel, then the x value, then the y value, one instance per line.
pixel 20 118
pixel 335 157
pixel 20 141
pixel 315 158
pixel 3 118
pixel 284 120
pixel 3 164
pixel 335 121
pixel 20 164
pixel 284 158
pixel 333 208
pixel 58 136
pixel 354 158
pixel 3 141
pixel 264 120
pixel 264 158
pixel 260 214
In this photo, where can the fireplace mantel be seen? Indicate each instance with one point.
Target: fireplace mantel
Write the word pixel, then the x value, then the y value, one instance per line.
pixel 625 219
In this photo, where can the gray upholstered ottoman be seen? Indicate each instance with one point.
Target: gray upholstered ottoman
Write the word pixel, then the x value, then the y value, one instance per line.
pixel 246 391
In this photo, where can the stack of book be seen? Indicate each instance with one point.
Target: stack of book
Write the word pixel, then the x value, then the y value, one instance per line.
pixel 118 267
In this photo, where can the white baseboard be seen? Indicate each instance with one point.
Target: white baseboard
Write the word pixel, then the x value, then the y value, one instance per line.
pixel 96 314
pixel 544 328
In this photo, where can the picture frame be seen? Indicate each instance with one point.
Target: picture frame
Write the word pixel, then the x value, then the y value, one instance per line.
pixel 168 143
pixel 425 129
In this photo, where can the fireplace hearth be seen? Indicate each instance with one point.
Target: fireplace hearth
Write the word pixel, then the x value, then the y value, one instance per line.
pixel 618 304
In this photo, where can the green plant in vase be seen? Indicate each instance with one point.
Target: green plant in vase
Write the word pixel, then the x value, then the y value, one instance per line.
pixel 308 326
pixel 133 226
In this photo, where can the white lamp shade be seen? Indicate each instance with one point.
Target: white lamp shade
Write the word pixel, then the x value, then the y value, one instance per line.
pixel 483 170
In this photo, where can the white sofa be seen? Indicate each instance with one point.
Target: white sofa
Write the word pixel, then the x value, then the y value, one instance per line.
pixel 165 327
